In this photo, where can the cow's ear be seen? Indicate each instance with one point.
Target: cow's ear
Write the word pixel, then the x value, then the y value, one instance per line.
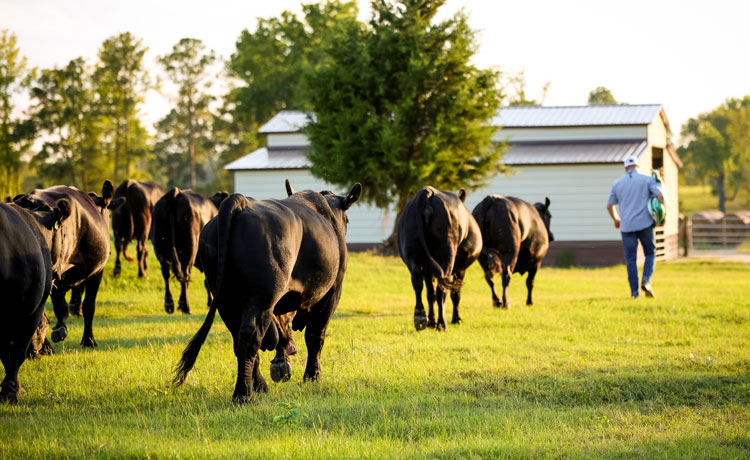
pixel 546 202
pixel 462 195
pixel 289 189
pixel 63 209
pixel 108 190
pixel 98 201
pixel 116 203
pixel 352 196
pixel 8 199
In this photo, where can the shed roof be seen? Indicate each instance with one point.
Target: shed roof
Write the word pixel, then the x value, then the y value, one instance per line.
pixel 570 153
pixel 273 159
pixel 580 115
pixel 286 121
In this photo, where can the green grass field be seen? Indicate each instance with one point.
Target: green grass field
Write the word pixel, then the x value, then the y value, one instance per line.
pixel 695 198
pixel 585 373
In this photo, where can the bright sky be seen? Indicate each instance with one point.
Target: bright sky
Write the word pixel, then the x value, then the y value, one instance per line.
pixel 687 55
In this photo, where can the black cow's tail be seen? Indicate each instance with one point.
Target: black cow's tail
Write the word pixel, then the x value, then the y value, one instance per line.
pixel 423 210
pixel 227 210
pixel 190 354
pixel 171 201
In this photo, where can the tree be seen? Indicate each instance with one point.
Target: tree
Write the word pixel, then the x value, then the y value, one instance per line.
pixel 121 82
pixel 269 65
pixel 187 66
pixel 16 135
pixel 515 84
pixel 65 113
pixel 601 95
pixel 399 105
pixel 716 147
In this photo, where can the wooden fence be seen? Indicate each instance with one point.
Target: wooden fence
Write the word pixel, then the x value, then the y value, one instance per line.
pixel 714 230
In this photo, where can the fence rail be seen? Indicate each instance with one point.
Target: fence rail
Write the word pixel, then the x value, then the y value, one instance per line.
pixel 727 232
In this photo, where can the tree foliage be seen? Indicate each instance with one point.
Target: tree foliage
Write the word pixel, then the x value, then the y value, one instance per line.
pixel 514 83
pixel 121 81
pixel 67 117
pixel 601 95
pixel 16 134
pixel 188 124
pixel 399 105
pixel 269 64
pixel 717 148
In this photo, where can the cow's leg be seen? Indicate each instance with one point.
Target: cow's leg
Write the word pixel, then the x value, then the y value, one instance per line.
pixel 142 253
pixel 530 284
pixel 184 304
pixel 168 301
pixel 420 317
pixel 430 288
pixel 458 281
pixel 118 266
pixel 13 354
pixel 488 276
pixel 60 331
pixel 75 300
pixel 89 306
pixel 253 326
pixel 506 282
pixel 315 332
pixel 441 296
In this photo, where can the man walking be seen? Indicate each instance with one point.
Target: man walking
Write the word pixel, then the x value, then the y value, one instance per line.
pixel 631 193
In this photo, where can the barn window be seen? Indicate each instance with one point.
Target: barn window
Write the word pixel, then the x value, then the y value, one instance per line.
pixel 657 160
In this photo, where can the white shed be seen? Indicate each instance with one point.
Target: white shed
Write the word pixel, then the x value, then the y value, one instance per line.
pixel 570 154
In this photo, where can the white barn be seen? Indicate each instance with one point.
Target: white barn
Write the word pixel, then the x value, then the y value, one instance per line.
pixel 570 154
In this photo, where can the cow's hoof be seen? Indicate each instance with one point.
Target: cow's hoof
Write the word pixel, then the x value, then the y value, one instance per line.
pixel 185 310
pixel 281 371
pixel 9 397
pixel 242 398
pixel 169 307
pixel 88 342
pixel 59 334
pixel 431 323
pixel 529 303
pixel 46 349
pixel 117 271
pixel 441 327
pixel 506 306
pixel 260 386
pixel 456 321
pixel 420 323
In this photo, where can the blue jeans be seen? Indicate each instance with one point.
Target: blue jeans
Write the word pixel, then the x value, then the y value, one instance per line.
pixel 630 243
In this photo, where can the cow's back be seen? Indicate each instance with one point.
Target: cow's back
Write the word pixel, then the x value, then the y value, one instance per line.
pixel 87 234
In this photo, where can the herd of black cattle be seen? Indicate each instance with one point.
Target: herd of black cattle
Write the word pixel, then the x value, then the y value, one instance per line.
pixel 271 266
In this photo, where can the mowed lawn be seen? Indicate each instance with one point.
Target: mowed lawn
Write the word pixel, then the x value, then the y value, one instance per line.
pixel 585 373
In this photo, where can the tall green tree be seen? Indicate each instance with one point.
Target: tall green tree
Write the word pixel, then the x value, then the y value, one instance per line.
pixel 67 117
pixel 269 64
pixel 16 134
pixel 716 148
pixel 399 105
pixel 601 95
pixel 514 84
pixel 188 67
pixel 121 82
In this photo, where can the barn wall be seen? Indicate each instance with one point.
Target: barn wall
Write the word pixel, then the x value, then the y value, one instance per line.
pixel 287 140
pixel 578 195
pixel 367 224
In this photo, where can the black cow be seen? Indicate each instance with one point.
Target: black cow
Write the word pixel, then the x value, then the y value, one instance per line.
pixel 437 238
pixel 271 257
pixel 516 238
pixel 131 220
pixel 79 263
pixel 27 239
pixel 178 218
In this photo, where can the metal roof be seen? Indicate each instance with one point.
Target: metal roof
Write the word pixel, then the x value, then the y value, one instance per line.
pixel 286 121
pixel 572 153
pixel 271 159
pixel 581 115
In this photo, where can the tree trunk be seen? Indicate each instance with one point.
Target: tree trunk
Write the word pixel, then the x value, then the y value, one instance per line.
pixel 191 146
pixel 721 192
